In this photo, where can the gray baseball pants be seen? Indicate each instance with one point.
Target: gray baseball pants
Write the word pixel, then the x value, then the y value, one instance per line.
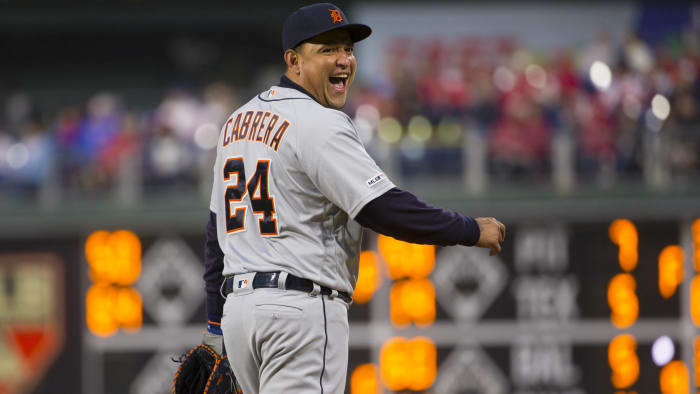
pixel 286 341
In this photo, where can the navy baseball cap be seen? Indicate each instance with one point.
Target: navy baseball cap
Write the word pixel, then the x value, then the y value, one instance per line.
pixel 312 20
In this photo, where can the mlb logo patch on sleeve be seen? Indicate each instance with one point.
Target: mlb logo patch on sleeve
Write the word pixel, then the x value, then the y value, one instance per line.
pixel 376 179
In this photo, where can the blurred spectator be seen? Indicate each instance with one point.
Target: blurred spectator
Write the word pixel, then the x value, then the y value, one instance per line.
pixel 596 137
pixel 568 80
pixel 179 113
pixel 124 146
pixel 67 130
pixel 686 141
pixel 519 141
pixel 601 49
pixel 96 134
pixel 30 159
pixel 219 102
pixel 636 54
pixel 167 158
pixel 5 142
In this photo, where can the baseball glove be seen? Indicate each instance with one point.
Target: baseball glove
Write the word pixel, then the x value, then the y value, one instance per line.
pixel 203 371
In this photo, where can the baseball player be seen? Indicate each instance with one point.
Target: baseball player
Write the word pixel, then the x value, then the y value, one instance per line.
pixel 293 188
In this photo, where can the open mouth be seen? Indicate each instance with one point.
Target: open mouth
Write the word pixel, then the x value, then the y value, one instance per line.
pixel 339 81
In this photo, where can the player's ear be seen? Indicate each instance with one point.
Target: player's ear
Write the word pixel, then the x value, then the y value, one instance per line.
pixel 291 58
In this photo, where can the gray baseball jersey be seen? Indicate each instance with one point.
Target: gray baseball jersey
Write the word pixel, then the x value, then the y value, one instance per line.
pixel 290 176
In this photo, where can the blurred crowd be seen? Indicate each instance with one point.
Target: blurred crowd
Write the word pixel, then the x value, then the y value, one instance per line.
pixel 605 96
pixel 86 146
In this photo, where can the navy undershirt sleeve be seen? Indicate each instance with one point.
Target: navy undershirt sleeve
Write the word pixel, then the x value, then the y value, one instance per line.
pixel 213 276
pixel 402 215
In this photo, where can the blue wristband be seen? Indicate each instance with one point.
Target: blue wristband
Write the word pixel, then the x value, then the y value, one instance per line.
pixel 214 328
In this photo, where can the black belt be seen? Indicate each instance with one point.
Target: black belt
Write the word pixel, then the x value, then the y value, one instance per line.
pixel 270 280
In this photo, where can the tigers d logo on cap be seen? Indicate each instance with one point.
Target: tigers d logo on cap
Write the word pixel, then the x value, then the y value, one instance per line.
pixel 335 15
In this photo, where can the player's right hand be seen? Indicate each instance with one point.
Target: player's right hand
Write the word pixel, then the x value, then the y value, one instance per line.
pixel 214 341
pixel 493 233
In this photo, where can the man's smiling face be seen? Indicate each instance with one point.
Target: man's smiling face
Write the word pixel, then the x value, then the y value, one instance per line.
pixel 327 67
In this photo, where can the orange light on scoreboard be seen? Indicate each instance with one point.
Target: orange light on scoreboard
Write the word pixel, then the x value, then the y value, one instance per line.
pixel 695 300
pixel 109 308
pixel 399 317
pixel 622 357
pixel 695 283
pixel 623 233
pixel 412 300
pixel 114 260
pixel 623 301
pixel 114 257
pixel 695 230
pixel 670 270
pixel 406 259
pixel 674 378
pixel 129 307
pixel 408 364
pixel 99 304
pixel 423 357
pixel 365 380
pixel 369 278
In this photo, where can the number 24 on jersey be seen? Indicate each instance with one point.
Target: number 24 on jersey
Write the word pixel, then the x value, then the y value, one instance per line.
pixel 257 188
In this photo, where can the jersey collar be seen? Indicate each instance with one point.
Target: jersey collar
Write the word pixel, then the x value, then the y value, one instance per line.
pixel 285 82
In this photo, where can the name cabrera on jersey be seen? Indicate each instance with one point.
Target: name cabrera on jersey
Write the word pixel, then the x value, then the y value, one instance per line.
pixel 290 176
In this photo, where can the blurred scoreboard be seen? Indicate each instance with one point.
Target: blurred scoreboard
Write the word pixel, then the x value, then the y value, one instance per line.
pixel 567 307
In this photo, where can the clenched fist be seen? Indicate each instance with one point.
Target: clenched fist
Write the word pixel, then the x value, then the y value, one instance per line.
pixel 493 233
